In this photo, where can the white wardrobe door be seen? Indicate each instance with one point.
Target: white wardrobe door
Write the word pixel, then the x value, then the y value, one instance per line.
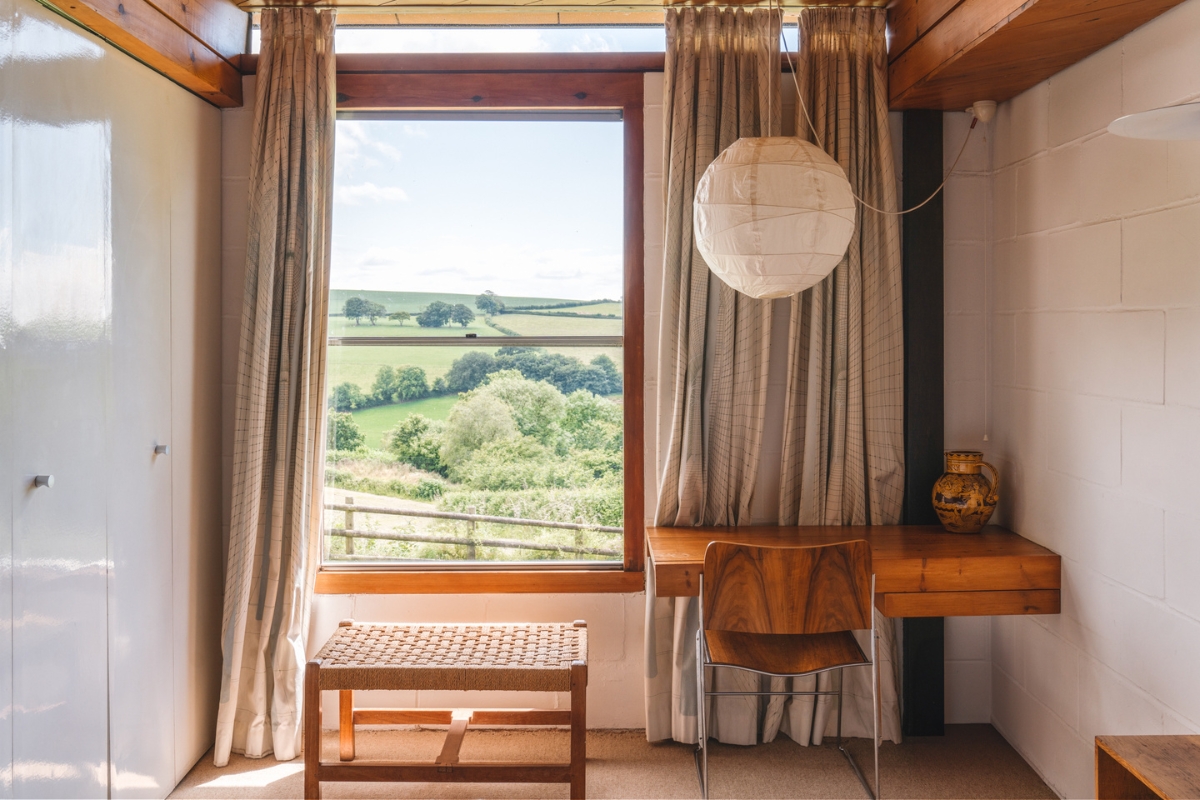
pixel 196 422
pixel 59 371
pixel 139 514
pixel 6 472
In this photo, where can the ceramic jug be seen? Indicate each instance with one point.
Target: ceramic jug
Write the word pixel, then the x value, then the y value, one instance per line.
pixel 963 498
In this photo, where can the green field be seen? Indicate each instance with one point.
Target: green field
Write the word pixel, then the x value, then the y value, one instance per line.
pixel 412 302
pixel 590 308
pixel 340 326
pixel 359 365
pixel 375 422
pixel 539 325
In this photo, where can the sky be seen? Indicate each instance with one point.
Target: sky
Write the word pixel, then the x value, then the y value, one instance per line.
pixel 523 208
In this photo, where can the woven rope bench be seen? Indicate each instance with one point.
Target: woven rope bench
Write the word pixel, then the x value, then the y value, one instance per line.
pixel 541 657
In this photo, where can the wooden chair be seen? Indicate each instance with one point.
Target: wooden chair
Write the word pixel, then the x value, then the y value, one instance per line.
pixel 785 612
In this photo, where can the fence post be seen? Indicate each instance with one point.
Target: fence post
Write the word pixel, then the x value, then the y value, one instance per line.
pixel 349 527
pixel 579 533
pixel 471 534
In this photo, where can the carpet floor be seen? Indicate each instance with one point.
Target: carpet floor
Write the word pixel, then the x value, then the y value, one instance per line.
pixel 970 761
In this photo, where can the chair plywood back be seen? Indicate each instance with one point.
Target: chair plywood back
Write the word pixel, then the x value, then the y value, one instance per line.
pixel 793 590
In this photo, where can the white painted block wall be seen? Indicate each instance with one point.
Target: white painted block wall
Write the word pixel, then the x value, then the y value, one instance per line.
pixel 1087 290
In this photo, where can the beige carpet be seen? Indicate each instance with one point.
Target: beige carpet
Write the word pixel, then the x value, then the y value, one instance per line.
pixel 970 761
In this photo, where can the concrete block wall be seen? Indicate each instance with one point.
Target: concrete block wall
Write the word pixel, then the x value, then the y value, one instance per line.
pixel 1092 397
pixel 967 220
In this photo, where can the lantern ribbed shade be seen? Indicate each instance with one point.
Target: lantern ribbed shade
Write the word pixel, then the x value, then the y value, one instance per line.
pixel 773 216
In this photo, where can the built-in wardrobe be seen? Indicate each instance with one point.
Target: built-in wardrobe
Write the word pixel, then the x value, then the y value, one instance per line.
pixel 110 527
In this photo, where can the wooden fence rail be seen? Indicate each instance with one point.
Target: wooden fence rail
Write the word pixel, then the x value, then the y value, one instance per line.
pixel 350 533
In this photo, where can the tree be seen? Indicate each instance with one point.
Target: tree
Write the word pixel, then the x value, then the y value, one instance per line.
pixel 469 371
pixel 386 383
pixel 435 315
pixel 411 383
pixel 417 440
pixel 462 315
pixel 346 397
pixel 400 316
pixel 355 309
pixel 343 432
pixel 374 310
pixel 536 406
pixel 489 303
pixel 475 421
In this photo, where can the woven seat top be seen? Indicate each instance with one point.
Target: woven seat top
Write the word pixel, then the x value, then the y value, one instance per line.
pixel 529 657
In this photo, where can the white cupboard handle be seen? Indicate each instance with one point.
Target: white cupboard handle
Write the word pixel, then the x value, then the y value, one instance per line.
pixel 162 450
pixel 44 480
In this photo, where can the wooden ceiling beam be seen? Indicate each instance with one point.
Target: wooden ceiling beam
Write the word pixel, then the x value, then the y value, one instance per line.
pixel 996 49
pixel 192 42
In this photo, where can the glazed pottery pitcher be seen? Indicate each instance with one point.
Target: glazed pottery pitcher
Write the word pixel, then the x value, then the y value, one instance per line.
pixel 963 498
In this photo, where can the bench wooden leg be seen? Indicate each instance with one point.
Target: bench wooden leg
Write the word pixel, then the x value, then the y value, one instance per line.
pixel 346 725
pixel 312 730
pixel 578 731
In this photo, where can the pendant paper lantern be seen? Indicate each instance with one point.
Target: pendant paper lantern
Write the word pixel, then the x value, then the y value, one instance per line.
pixel 773 216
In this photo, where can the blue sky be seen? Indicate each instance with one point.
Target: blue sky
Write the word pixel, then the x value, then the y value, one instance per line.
pixel 528 208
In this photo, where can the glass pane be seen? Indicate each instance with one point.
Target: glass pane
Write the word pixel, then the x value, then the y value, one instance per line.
pixel 441 437
pixel 446 212
pixel 557 39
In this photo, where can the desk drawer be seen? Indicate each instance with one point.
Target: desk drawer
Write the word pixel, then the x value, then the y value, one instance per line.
pixel 968 604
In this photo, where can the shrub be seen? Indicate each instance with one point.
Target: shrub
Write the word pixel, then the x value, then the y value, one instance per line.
pixel 411 383
pixel 383 391
pixel 343 432
pixel 519 463
pixel 469 371
pixel 435 315
pixel 347 397
pixel 536 406
pixel 417 440
pixel 428 489
pixel 474 421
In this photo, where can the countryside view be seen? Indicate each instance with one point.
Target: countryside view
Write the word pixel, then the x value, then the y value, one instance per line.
pixel 444 435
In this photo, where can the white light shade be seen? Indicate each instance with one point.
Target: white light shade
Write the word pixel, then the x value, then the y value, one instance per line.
pixel 773 216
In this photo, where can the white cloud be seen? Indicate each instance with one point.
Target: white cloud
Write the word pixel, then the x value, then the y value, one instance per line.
pixel 450 265
pixel 368 193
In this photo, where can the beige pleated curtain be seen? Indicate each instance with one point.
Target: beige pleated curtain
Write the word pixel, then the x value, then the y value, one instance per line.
pixel 842 460
pixel 279 435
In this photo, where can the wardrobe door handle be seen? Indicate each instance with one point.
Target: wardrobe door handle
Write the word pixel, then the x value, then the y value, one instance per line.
pixel 44 480
pixel 162 450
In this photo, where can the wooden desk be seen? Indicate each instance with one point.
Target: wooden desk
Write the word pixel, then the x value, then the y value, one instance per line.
pixel 1147 767
pixel 920 570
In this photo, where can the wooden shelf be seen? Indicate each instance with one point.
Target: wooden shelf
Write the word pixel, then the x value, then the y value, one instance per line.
pixel 1137 767
pixel 920 570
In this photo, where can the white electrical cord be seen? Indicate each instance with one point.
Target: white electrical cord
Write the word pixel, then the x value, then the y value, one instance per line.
pixel 821 144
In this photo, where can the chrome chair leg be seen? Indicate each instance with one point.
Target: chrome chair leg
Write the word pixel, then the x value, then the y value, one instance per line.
pixel 876 705
pixel 701 752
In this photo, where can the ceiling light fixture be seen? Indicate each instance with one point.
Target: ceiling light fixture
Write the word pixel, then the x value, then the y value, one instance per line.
pixel 1171 123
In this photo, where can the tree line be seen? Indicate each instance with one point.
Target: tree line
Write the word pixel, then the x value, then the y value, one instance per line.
pixel 439 313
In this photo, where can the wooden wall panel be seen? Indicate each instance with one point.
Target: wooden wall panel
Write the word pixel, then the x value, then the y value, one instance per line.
pixel 160 42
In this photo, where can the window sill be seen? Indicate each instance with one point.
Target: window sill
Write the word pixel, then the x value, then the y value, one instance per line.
pixel 580 581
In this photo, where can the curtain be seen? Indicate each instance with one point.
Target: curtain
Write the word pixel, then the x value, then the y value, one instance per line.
pixel 843 442
pixel 279 436
pixel 842 459
pixel 721 83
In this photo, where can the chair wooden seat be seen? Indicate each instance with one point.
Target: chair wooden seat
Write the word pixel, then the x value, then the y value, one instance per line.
pixel 784 653
pixel 534 657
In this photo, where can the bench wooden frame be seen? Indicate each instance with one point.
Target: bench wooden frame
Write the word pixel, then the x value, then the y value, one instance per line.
pixel 446 768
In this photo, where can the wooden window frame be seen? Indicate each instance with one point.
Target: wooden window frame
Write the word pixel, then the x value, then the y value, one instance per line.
pixel 529 82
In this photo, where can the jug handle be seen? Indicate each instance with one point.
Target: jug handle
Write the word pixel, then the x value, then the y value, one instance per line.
pixel 994 493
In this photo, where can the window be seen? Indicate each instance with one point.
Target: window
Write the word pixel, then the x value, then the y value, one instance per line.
pixel 485 359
